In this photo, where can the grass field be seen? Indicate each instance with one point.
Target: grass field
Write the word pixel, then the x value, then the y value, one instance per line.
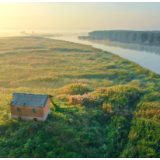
pixel 112 104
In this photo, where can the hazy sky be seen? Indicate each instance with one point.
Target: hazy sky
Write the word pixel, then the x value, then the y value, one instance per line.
pixel 95 15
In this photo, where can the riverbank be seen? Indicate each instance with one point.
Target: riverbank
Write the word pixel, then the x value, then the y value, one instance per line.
pixel 146 56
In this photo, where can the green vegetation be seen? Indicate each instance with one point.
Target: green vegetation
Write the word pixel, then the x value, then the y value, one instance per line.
pixel 103 105
pixel 127 36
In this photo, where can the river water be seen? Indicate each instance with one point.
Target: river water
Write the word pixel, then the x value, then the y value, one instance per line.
pixel 146 56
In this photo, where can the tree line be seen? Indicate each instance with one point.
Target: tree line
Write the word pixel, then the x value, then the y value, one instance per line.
pixel 148 37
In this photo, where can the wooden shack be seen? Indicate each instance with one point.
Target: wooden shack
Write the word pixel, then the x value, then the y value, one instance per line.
pixel 30 107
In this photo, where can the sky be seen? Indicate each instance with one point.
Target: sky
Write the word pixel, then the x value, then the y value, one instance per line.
pixel 75 15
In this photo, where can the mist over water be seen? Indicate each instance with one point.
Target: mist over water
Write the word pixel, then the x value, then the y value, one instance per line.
pixel 25 32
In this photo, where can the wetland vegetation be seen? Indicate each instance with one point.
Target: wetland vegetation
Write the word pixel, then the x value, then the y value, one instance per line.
pixel 104 105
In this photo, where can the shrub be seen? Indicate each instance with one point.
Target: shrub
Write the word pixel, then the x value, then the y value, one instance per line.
pixel 143 71
pixel 62 98
pixel 111 66
pixel 74 89
pixel 150 97
pixel 136 83
pixel 88 100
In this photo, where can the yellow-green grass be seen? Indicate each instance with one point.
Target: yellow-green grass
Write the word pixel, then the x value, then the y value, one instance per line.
pixel 112 94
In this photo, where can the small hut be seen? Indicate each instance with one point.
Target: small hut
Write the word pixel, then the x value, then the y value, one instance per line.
pixel 30 107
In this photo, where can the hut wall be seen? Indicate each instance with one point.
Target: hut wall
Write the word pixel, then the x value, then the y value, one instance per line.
pixel 47 107
pixel 27 111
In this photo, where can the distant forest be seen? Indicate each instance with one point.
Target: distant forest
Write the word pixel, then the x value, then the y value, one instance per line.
pixel 127 36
